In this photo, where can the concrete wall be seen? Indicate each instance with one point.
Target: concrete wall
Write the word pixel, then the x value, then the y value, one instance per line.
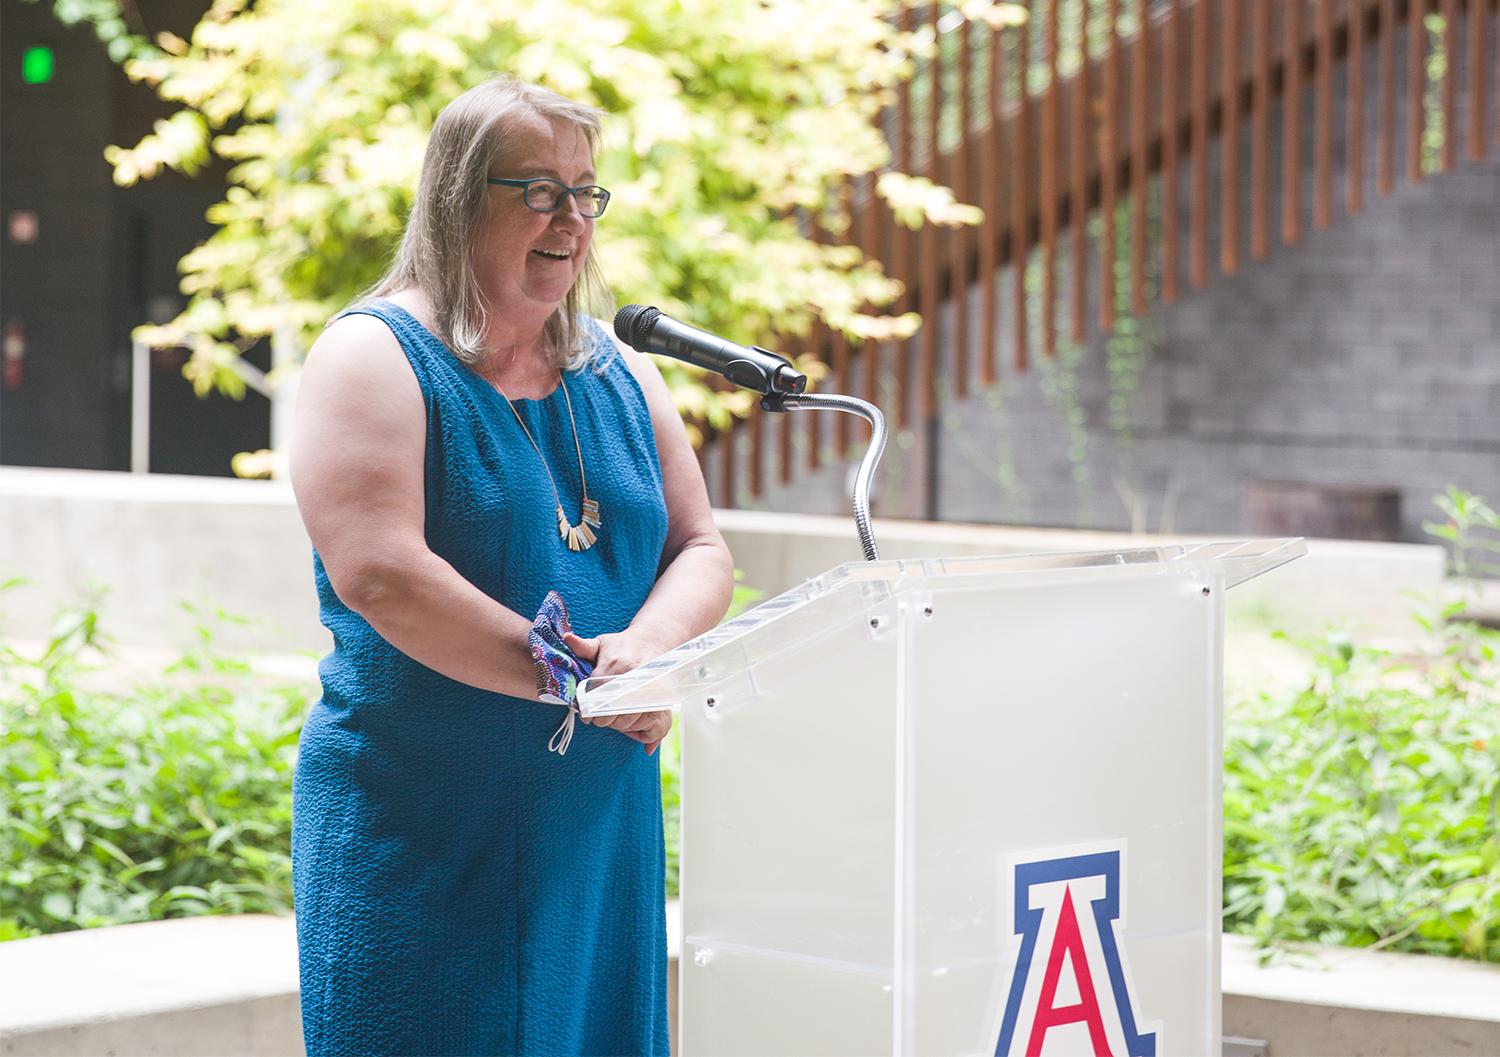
pixel 156 541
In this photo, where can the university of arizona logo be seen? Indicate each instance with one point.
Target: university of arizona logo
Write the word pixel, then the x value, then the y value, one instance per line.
pixel 1069 990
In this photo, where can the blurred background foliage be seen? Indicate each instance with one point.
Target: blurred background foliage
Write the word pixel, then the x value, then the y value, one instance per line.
pixel 734 129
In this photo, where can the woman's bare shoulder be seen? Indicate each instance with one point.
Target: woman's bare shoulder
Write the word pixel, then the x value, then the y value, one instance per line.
pixel 359 343
pixel 357 367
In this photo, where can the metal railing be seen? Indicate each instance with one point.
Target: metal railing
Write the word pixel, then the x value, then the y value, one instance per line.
pixel 282 394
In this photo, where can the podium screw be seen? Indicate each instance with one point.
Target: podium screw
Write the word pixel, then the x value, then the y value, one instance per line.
pixel 711 702
pixel 874 622
pixel 1205 590
pixel 927 611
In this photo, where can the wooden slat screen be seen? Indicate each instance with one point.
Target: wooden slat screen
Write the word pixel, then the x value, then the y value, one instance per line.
pixel 1039 145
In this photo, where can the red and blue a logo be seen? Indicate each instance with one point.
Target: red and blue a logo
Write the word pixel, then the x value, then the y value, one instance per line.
pixel 1069 990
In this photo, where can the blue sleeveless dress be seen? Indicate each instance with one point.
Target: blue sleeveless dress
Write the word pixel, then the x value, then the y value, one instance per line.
pixel 460 889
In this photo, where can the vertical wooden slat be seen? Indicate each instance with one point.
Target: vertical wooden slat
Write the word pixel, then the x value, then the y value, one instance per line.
pixel 1047 189
pixel 1323 116
pixel 1416 85
pixel 928 282
pixel 785 449
pixel 1020 151
pixel 756 485
pixel 1449 90
pixel 819 344
pixel 838 341
pixel 1171 30
pixel 871 351
pixel 840 355
pixel 958 240
pixel 1354 132
pixel 1198 211
pixel 901 240
pixel 989 246
pixel 1476 77
pixel 1078 193
pixel 816 343
pixel 1260 130
pixel 1139 139
pixel 1386 128
pixel 1109 170
pixel 1229 133
pixel 1291 125
pixel 727 462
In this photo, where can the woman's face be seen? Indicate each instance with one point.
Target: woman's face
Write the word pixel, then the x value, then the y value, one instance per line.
pixel 525 261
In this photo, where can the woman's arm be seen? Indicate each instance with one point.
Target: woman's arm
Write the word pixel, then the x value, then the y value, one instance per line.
pixel 696 578
pixel 357 468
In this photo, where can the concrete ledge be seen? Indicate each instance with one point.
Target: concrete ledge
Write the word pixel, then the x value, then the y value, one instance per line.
pixel 228 985
pixel 217 985
pixel 206 985
pixel 1341 1000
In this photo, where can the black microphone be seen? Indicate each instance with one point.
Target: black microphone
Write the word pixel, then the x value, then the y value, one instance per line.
pixel 645 329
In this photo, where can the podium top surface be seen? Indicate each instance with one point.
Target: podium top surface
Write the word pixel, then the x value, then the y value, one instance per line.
pixel 788 620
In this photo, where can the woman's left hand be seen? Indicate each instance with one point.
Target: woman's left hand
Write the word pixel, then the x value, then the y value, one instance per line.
pixel 616 655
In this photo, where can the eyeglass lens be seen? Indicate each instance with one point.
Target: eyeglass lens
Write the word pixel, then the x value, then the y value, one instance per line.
pixel 545 195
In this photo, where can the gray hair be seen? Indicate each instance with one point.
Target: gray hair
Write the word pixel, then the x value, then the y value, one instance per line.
pixel 437 249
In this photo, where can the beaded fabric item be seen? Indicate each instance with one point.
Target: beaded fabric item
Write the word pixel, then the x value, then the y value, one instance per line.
pixel 558 671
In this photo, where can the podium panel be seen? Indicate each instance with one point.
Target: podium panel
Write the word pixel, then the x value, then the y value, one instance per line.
pixel 956 807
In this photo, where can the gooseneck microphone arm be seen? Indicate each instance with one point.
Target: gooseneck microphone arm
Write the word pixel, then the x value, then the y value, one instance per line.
pixel 866 472
pixel 782 387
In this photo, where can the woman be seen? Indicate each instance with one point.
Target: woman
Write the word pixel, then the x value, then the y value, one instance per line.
pixel 468 440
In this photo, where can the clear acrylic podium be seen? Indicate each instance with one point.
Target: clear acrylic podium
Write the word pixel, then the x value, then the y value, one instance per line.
pixel 956 806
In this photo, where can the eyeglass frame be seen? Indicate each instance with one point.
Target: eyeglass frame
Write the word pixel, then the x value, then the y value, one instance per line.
pixel 525 186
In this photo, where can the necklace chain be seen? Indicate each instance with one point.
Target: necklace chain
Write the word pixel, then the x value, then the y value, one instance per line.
pixel 579 537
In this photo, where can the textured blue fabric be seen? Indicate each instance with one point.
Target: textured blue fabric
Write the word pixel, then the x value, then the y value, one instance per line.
pixel 460 889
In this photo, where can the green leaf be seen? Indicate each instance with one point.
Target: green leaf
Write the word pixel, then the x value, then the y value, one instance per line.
pixel 58 905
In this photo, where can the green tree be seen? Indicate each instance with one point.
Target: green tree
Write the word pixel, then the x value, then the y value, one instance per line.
pixel 733 126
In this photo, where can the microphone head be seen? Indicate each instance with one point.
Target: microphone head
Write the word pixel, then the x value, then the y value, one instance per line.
pixel 634 323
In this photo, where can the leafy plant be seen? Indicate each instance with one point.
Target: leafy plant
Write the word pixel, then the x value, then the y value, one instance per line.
pixel 671 803
pixel 166 799
pixel 1362 810
pixel 1471 530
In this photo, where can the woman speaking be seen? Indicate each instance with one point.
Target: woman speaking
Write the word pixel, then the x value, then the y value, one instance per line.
pixel 469 440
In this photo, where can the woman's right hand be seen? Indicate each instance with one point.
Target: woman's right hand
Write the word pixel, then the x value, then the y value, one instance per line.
pixel 648 728
pixel 614 655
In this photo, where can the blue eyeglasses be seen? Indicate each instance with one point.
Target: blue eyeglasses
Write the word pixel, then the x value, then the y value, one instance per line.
pixel 546 196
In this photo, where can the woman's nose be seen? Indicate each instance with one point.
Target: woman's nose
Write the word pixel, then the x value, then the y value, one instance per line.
pixel 567 215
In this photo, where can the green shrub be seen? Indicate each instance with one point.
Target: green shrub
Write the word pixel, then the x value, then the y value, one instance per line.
pixel 165 799
pixel 1362 809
